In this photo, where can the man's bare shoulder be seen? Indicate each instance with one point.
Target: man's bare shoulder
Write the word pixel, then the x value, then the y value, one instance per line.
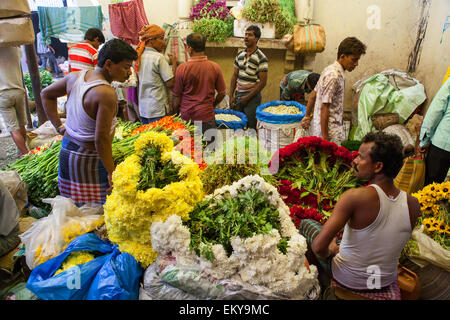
pixel 359 195
pixel 102 94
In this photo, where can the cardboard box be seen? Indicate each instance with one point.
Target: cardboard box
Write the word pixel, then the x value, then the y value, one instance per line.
pixel 12 8
pixel 267 29
pixel 16 32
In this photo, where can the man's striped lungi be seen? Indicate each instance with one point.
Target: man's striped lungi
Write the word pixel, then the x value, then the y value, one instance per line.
pixel 81 175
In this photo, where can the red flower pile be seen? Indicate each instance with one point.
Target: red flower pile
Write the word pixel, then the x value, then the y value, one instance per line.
pixel 312 174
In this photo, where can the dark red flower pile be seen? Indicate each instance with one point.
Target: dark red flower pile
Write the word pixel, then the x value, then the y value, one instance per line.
pixel 307 163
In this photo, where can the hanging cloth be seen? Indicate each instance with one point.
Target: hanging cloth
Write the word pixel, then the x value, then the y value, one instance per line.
pixel 127 19
pixel 175 44
pixel 69 24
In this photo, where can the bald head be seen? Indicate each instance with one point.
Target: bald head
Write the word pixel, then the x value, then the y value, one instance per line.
pixel 196 41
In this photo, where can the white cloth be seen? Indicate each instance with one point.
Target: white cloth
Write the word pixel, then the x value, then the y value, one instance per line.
pixel 154 71
pixel 379 245
pixel 9 213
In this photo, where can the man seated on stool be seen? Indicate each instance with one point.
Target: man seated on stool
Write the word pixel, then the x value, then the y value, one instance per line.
pixel 378 220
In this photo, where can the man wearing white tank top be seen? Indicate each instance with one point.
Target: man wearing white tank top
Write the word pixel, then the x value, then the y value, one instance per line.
pixel 377 219
pixel 85 160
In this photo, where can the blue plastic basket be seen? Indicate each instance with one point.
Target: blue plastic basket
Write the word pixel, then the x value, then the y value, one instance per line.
pixel 283 118
pixel 221 124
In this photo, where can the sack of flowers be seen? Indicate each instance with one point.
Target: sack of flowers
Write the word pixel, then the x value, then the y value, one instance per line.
pixel 313 173
pixel 278 122
pixel 150 185
pixel 242 231
pixel 430 240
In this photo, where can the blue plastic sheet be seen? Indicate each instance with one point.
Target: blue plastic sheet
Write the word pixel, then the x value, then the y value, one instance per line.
pixel 113 275
pixel 280 118
pixel 235 125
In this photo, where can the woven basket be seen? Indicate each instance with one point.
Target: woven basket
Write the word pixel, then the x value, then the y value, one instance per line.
pixel 384 120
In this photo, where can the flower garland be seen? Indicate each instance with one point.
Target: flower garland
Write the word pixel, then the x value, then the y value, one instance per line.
pixel 130 212
pixel 313 173
pixel 256 260
pixel 434 204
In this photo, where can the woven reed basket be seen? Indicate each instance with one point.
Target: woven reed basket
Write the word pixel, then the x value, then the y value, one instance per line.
pixel 384 120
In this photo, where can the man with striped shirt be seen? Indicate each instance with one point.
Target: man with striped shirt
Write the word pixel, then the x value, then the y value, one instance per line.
pixel 249 77
pixel 83 55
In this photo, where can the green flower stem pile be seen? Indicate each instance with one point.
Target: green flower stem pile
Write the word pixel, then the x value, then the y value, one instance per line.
pixel 216 222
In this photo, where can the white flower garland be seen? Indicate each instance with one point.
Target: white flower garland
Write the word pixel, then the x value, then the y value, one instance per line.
pixel 256 260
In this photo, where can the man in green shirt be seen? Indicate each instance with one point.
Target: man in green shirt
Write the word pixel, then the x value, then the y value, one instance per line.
pixel 295 84
pixel 435 136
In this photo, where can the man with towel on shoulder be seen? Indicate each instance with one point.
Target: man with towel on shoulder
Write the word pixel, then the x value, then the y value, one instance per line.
pixel 154 74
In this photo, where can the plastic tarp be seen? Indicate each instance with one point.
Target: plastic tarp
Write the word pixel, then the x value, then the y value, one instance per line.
pixel 379 95
pixel 110 276
pixel 221 124
pixel 261 115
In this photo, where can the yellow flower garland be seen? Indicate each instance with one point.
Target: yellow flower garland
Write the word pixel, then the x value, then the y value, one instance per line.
pixel 129 213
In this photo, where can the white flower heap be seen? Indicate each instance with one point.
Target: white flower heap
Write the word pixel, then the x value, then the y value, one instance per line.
pixel 131 209
pixel 257 259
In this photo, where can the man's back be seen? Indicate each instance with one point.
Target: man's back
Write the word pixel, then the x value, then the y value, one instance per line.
pixel 196 82
pixel 373 238
pixel 10 70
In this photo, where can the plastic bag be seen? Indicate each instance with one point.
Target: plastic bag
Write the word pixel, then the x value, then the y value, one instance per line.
pixel 109 276
pixel 167 280
pixel 429 251
pixel 15 186
pixel 48 236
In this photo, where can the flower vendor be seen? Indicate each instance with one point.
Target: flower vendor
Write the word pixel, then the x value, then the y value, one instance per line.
pixel 85 160
pixel 295 84
pixel 196 82
pixel 154 74
pixel 378 220
pixel 327 98
pixel 249 77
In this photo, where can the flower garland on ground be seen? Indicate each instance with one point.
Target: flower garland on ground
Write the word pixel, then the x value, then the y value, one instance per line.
pixel 434 204
pixel 257 260
pixel 313 173
pixel 129 211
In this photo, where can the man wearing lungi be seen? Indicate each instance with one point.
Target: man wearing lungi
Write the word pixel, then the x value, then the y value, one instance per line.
pixel 378 220
pixel 249 76
pixel 85 160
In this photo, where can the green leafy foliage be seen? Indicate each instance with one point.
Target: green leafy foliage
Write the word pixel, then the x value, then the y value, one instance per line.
pixel 215 30
pixel 262 11
pixel 217 221
pixel 250 161
pixel 46 80
pixel 155 173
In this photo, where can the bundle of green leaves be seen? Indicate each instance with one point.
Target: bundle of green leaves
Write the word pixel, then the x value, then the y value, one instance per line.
pixel 46 80
pixel 215 30
pixel 217 221
pixel 155 173
pixel 237 158
pixel 262 11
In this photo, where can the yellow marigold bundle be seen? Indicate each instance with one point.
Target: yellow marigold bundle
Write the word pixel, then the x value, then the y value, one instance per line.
pixel 129 212
pixel 74 259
